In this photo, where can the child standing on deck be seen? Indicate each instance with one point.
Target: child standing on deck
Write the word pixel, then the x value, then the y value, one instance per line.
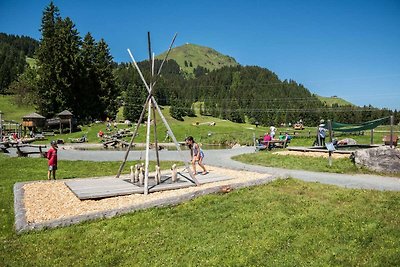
pixel 52 157
pixel 196 154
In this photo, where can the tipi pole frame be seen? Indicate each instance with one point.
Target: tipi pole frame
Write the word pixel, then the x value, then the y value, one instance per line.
pixel 143 110
pixel 164 120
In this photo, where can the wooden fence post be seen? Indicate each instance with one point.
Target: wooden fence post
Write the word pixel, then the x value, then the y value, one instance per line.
pixel 391 130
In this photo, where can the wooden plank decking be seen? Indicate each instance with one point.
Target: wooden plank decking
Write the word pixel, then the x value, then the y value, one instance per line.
pixel 96 188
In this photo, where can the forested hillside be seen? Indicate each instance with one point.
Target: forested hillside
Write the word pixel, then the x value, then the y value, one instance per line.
pixel 235 93
pixel 13 52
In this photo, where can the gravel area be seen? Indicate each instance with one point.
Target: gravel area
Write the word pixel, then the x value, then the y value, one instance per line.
pixel 52 200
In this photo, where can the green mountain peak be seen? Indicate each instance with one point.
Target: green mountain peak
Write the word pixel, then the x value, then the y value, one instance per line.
pixel 190 56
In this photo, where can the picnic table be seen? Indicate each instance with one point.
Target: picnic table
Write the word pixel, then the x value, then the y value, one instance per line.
pixel 276 143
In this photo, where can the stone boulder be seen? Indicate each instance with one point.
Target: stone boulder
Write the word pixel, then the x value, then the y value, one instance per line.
pixel 380 159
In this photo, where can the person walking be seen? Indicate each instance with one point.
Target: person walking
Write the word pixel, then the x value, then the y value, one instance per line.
pixel 196 154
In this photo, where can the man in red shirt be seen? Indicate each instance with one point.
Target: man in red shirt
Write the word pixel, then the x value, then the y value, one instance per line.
pixel 52 157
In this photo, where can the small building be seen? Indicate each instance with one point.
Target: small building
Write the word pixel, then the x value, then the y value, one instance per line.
pixel 33 121
pixel 66 118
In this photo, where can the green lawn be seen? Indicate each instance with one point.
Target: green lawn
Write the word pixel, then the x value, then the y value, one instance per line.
pixel 11 111
pixel 285 223
pixel 317 164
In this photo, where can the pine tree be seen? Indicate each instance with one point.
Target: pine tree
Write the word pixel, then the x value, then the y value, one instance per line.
pixel 134 101
pixel 59 64
pixel 47 87
pixel 89 97
pixel 177 109
pixel 68 66
pixel 108 91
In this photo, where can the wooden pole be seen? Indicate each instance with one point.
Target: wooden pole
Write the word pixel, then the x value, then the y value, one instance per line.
pixel 318 137
pixel 154 111
pixel 171 134
pixel 70 125
pixel 372 137
pixel 146 166
pixel 330 130
pixel 166 56
pixel 391 130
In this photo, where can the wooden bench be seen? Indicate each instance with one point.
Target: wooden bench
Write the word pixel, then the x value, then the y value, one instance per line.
pixel 22 153
pixel 386 139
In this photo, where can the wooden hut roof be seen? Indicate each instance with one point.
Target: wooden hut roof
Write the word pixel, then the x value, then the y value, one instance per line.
pixel 33 115
pixel 65 113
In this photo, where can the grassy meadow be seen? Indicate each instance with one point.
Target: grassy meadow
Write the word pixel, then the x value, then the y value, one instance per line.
pixel 285 223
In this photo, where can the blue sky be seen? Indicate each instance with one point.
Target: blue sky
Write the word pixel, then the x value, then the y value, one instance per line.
pixel 346 48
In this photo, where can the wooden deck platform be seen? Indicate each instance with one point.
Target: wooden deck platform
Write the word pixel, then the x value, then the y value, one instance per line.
pixel 96 188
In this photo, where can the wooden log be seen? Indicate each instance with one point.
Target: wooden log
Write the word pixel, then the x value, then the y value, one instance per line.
pixel 158 175
pixel 132 174
pixel 137 170
pixel 174 173
pixel 141 174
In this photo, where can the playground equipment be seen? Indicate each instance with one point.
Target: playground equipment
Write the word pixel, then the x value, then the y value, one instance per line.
pixel 151 106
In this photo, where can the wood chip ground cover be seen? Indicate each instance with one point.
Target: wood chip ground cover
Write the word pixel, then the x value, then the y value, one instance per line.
pixel 51 200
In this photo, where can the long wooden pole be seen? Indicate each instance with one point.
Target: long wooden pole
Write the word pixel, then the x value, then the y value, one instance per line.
pixel 146 167
pixel 372 136
pixel 330 130
pixel 391 130
pixel 165 122
pixel 153 108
